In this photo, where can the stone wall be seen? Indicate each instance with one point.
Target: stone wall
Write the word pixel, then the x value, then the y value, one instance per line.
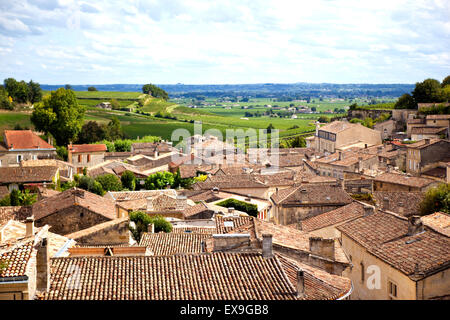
pixel 72 219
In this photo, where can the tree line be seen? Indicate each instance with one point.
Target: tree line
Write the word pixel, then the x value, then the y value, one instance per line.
pixel 19 92
pixel 429 90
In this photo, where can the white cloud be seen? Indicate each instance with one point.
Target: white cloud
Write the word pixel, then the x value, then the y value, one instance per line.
pixel 235 41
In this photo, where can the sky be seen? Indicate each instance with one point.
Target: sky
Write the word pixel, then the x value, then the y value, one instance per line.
pixel 224 42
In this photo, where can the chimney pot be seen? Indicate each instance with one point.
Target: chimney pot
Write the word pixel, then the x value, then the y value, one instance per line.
pixel 42 266
pixel 368 210
pixel 267 246
pixel 29 224
pixel 385 203
pixel 415 225
pixel 300 284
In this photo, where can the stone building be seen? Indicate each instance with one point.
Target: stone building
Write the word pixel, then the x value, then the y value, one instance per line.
pixel 19 145
pixel 426 154
pixel 85 155
pixel 74 210
pixel 340 135
pixel 397 258
pixel 402 182
pixel 298 203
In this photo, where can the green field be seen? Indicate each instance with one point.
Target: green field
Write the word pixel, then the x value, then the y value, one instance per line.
pixel 213 114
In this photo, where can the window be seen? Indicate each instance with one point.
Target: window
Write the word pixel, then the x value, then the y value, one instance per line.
pixel 362 272
pixel 88 158
pixel 19 158
pixel 392 290
pixel 79 158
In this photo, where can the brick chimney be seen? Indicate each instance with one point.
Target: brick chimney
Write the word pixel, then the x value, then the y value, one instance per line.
pixel 415 225
pixel 385 203
pixel 322 247
pixel 29 224
pixel 300 286
pixel 43 266
pixel 267 246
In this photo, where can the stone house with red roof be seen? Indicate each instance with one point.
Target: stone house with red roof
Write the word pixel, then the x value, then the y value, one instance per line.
pixel 397 258
pixel 85 155
pixel 19 145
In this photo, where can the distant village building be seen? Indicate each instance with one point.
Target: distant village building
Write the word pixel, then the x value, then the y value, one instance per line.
pixel 104 105
pixel 427 154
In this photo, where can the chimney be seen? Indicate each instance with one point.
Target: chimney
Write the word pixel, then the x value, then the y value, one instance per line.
pixel 42 266
pixel 340 155
pixel 299 225
pixel 317 128
pixel 231 210
pixel 385 203
pixel 248 198
pixel 379 149
pixel 415 225
pixel 401 209
pixel 29 223
pixel 300 284
pixel 215 190
pixel 368 210
pixel 151 228
pixel 340 183
pixel 322 247
pixel 267 246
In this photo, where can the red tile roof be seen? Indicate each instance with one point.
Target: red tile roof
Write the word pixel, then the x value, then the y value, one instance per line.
pixel 27 174
pixel 345 213
pixel 385 236
pixel 73 197
pixel 15 260
pixel 79 148
pixel 217 276
pixel 164 244
pixel 25 139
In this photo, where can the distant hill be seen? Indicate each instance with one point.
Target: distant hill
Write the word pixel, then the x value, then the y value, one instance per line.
pixel 263 90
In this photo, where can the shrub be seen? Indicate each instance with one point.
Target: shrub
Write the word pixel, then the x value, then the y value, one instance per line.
pixel 436 199
pixel 128 180
pixel 109 182
pixel 142 220
pixel 248 208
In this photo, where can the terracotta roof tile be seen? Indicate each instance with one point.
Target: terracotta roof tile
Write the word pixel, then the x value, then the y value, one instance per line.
pixel 163 244
pixel 339 215
pixel 25 139
pixel 79 148
pixel 310 194
pixel 27 174
pixel 385 236
pixel 401 202
pixel 72 197
pixel 16 260
pixel 402 179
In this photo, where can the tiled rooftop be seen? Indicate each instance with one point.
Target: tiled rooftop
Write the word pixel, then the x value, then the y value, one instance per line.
pixel 333 217
pixel 308 194
pixel 25 139
pixel 163 244
pixel 72 197
pixel 27 174
pixel 80 148
pixel 15 260
pixel 401 202
pixel 385 236
pixel 403 179
pixel 218 276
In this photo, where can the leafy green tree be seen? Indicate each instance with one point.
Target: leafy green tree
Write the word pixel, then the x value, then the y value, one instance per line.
pixel 60 115
pixel 10 85
pixel 269 128
pixel 89 184
pixel 445 82
pixel 114 129
pixel 26 198
pixel 68 87
pixel 97 188
pixel 323 119
pixel 436 199
pixel 115 105
pixel 142 220
pixel 5 102
pixel 159 180
pixel 249 208
pixel 92 89
pixel 155 91
pixel 15 197
pixel 428 91
pixel 109 182
pixel 21 93
pixel 92 132
pixel 406 101
pixel 128 180
pixel 34 92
